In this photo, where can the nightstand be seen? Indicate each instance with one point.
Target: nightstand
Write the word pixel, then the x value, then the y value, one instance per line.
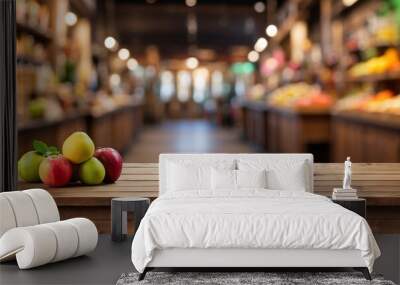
pixel 119 211
pixel 358 206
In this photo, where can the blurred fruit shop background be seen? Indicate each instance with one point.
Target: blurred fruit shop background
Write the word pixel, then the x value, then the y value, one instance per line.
pixel 320 76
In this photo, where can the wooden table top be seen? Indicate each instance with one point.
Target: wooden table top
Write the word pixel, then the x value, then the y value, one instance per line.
pixel 378 183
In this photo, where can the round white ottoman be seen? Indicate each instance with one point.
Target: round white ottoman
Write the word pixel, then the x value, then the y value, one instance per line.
pixel 31 231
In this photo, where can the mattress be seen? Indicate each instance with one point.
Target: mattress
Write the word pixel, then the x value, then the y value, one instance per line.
pixel 250 219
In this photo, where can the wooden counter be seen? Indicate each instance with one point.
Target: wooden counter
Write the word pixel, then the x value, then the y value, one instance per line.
pixel 254 123
pixel 295 131
pixel 366 137
pixel 116 128
pixel 285 130
pixel 379 183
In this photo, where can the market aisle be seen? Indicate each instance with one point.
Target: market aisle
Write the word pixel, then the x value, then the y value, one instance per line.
pixel 184 136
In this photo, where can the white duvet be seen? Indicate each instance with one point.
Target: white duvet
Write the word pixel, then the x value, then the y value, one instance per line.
pixel 250 219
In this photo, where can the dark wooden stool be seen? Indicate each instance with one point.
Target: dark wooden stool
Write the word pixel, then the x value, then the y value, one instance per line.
pixel 119 217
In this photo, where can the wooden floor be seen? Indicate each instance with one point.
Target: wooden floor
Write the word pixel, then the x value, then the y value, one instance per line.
pixel 185 136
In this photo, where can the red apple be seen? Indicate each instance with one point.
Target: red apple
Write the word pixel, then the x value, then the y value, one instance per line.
pixel 55 171
pixel 112 161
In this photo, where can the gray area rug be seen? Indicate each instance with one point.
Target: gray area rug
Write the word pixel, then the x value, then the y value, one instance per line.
pixel 269 278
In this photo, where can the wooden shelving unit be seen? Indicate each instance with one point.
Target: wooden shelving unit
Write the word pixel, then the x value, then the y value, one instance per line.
pixel 375 78
pixel 366 136
pixel 41 35
pixel 116 128
pixel 23 60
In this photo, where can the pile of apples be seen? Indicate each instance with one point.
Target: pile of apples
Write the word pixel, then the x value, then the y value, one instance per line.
pixel 79 161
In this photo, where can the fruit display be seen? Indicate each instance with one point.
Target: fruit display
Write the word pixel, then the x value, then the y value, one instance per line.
pixel 382 102
pixel 389 62
pixel 79 161
pixel 300 96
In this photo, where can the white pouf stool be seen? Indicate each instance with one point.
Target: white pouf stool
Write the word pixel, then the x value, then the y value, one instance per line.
pixel 31 230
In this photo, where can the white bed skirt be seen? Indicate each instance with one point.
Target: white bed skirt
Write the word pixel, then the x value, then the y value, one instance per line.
pixel 189 257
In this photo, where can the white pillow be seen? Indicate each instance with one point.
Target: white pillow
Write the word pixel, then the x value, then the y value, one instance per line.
pixel 223 179
pixel 282 174
pixel 186 174
pixel 226 179
pixel 251 178
pixel 188 177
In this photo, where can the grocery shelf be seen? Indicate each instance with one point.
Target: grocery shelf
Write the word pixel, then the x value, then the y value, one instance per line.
pixel 375 77
pixel 380 46
pixel 41 35
pixel 43 123
pixel 25 60
pixel 104 128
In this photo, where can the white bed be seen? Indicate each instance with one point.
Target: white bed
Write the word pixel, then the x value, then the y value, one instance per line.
pixel 280 225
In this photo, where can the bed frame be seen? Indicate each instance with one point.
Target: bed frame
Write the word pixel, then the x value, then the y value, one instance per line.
pixel 242 259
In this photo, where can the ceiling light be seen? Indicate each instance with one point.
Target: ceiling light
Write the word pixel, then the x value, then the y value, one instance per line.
pixel 123 54
pixel 191 3
pixel 110 42
pixel 259 7
pixel 271 31
pixel 132 64
pixel 70 19
pixel 192 62
pixel 260 45
pixel 253 56
pixel 349 3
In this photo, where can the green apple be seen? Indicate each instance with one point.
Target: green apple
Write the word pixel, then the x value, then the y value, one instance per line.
pixel 28 166
pixel 92 172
